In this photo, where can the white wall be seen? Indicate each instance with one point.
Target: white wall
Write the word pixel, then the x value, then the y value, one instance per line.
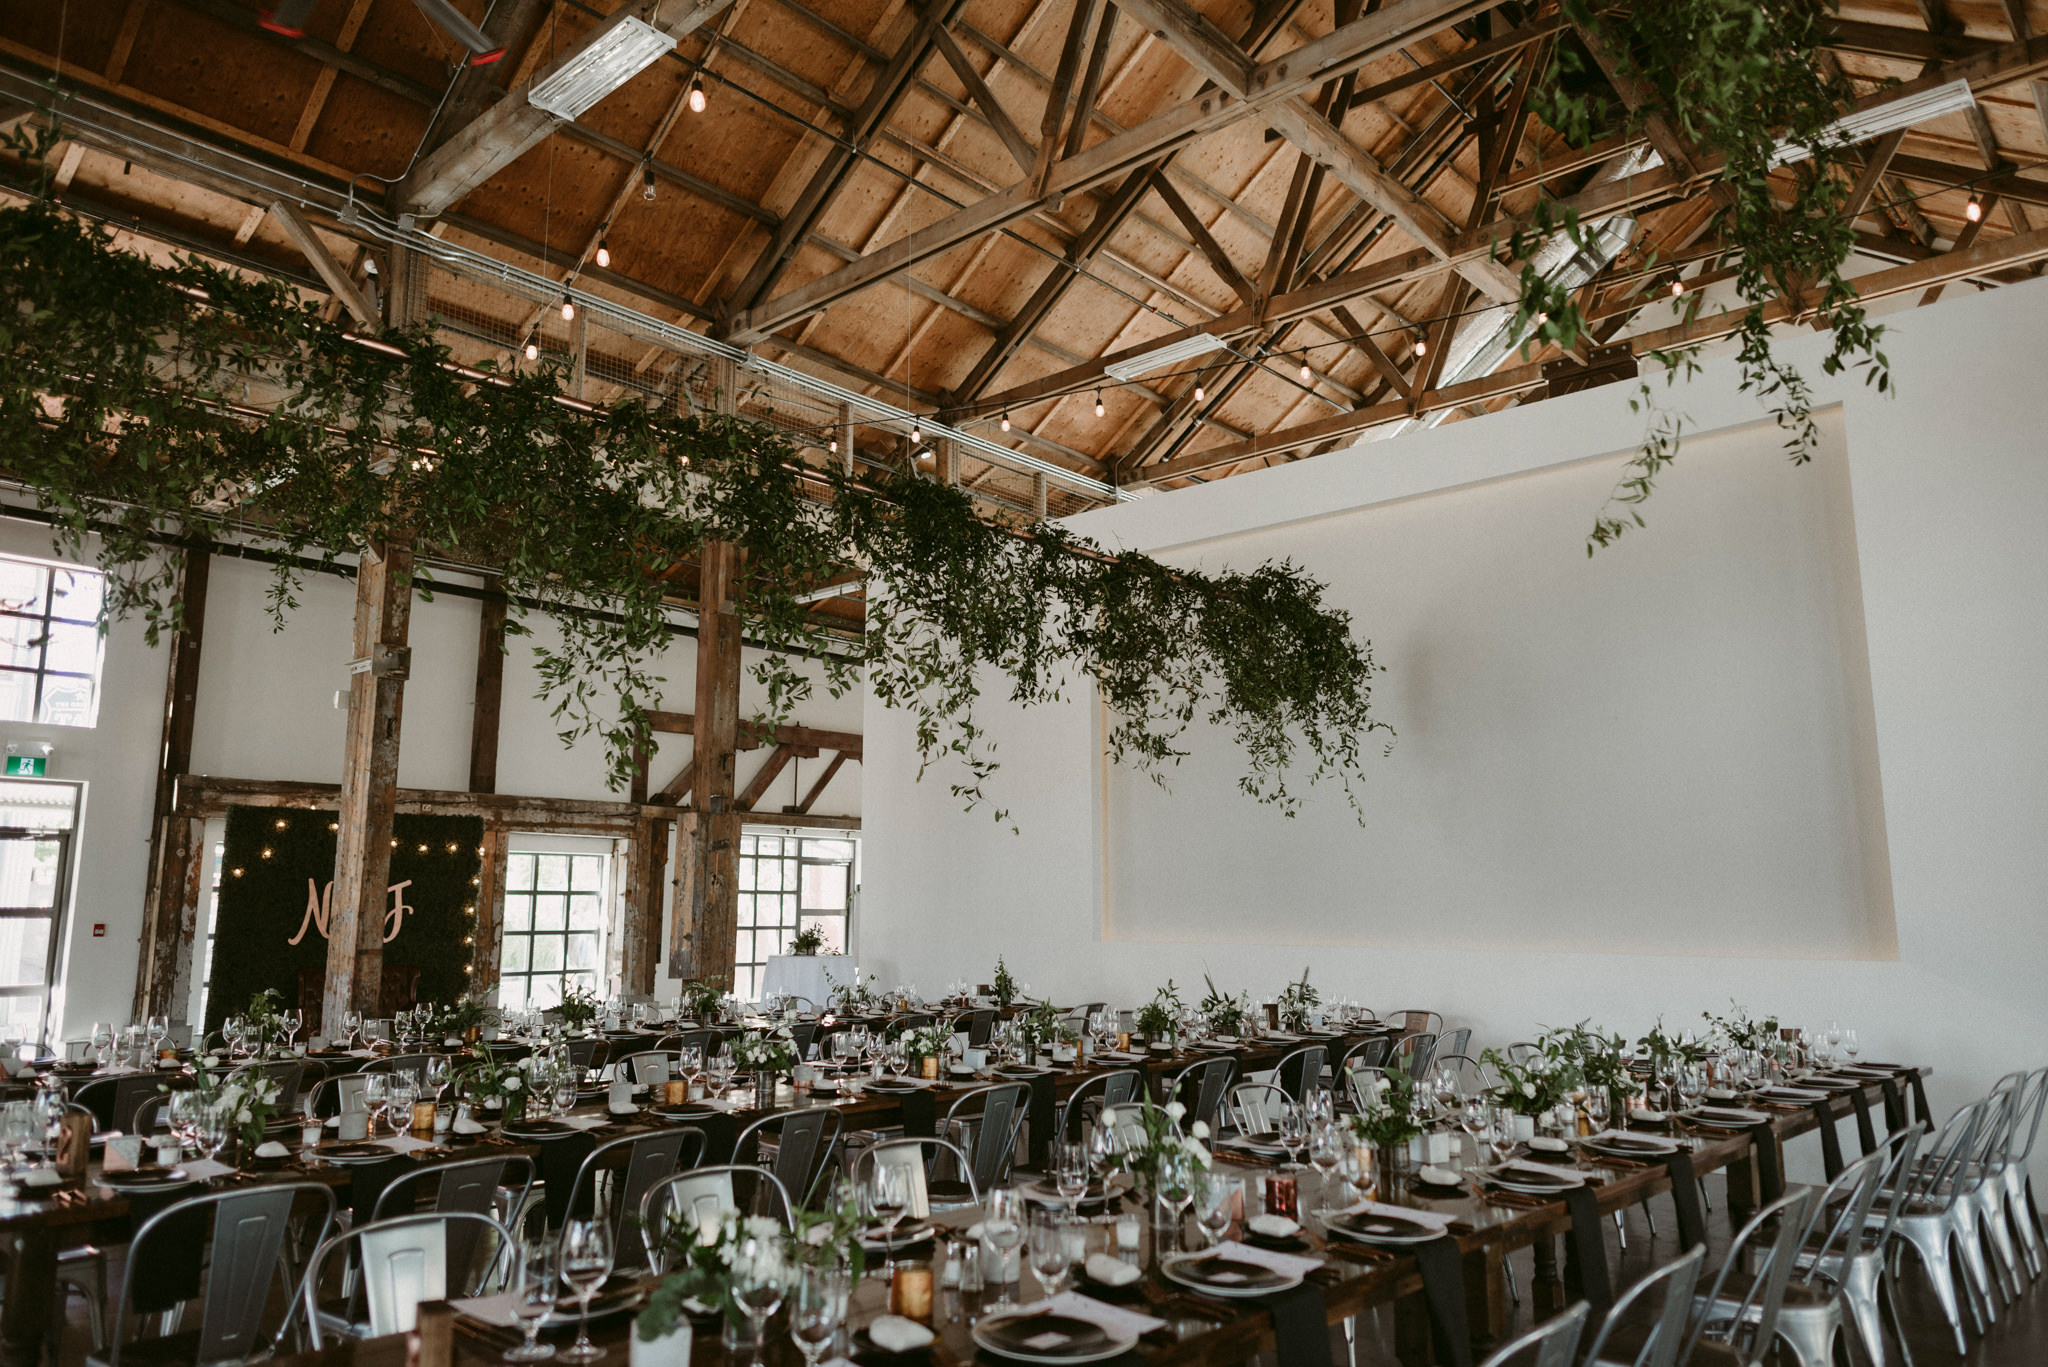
pixel 1843 821
pixel 266 711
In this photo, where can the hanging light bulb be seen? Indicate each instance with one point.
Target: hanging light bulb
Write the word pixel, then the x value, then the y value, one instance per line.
pixel 604 254
pixel 1099 410
pixel 532 351
pixel 1974 210
pixel 916 435
pixel 1306 375
pixel 568 310
pixel 1421 347
pixel 1199 395
pixel 647 183
pixel 833 445
pixel 1677 288
pixel 1540 319
pixel 697 95
pixel 1006 422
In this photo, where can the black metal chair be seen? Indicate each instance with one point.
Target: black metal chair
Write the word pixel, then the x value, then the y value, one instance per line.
pixel 977 1023
pixel 1411 1055
pixel 635 1164
pixel 1102 1090
pixel 999 1112
pixel 113 1100
pixel 1201 1087
pixel 1301 1071
pixel 678 1198
pixel 804 1141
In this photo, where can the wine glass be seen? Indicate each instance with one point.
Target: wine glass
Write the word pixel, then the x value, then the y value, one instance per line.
pixel 1049 1257
pixel 159 1030
pixel 757 1276
pixel 1325 1153
pixel 1003 1227
pixel 1102 1149
pixel 1069 1161
pixel 293 1021
pixel 102 1043
pixel 216 1127
pixel 533 1300
pixel 899 1060
pixel 17 1131
pixel 1850 1045
pixel 351 1026
pixel 1293 1128
pixel 376 1098
pixel 1212 1204
pixel 585 1260
pixel 817 1307
pixel 400 1094
pixel 889 1201
pixel 1176 1178
pixel 435 1075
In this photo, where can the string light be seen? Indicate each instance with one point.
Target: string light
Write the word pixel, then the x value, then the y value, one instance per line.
pixel 1421 346
pixel 1677 288
pixel 647 183
pixel 1099 409
pixel 532 350
pixel 697 100
pixel 568 310
pixel 1974 210
pixel 1006 422
pixel 916 435
pixel 604 254
pixel 834 446
pixel 1306 376
pixel 1199 395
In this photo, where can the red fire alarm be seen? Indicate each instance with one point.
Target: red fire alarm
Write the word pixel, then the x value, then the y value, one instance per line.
pixel 99 930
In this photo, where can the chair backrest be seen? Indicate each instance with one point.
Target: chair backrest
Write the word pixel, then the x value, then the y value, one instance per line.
pixel 1211 1079
pixel 977 1023
pixel 1471 1076
pixel 335 1095
pixel 1550 1344
pixel 1370 1052
pixel 1411 1054
pixel 1126 1120
pixel 409 1259
pixel 649 1066
pixel 1938 1180
pixel 1834 1227
pixel 416 1064
pixel 804 1141
pixel 250 1225
pixel 637 1163
pixel 1747 1328
pixel 2028 1127
pixel 707 1040
pixel 112 1100
pixel 1414 1022
pixel 683 1200
pixel 148 1112
pixel 1301 1071
pixel 1676 1279
pixel 1000 1110
pixel 470 1186
pixel 1101 1089
pixel 1360 1078
pixel 1254 1106
pixel 2001 1121
pixel 1452 1042
pixel 915 1156
pixel 915 1021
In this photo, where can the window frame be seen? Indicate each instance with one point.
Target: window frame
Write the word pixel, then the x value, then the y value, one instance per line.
pixel 536 846
pixel 48 618
pixel 749 963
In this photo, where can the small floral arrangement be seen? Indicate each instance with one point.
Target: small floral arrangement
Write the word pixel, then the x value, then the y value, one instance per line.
pixel 1742 1032
pixel 488 1081
pixel 930 1041
pixel 1536 1084
pixel 1668 1049
pixel 1041 1024
pixel 1157 1135
pixel 1601 1060
pixel 1004 985
pixel 1298 1002
pixel 702 997
pixel 251 1096
pixel 578 1008
pixel 1386 1114
pixel 808 943
pixel 832 1233
pixel 765 1051
pixel 1225 1015
pixel 701 1252
pixel 1160 1018
pixel 856 997
pixel 464 1016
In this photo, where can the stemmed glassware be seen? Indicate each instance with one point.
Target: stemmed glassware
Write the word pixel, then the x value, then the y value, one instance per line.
pixel 758 1271
pixel 376 1098
pixel 102 1044
pixel 1325 1153
pixel 1212 1203
pixel 533 1299
pixel 817 1308
pixel 1070 1173
pixel 585 1261
pixel 400 1093
pixel 1003 1227
pixel 159 1030
pixel 1176 1178
pixel 293 1021
pixel 1049 1256
pixel 17 1131
pixel 1850 1045
pixel 1292 1123
pixel 889 1201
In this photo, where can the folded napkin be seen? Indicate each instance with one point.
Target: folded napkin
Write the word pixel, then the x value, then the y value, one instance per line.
pixel 272 1149
pixel 1077 1306
pixel 1277 1037
pixel 1273 1226
pixel 467 1126
pixel 488 1309
pixel 1431 1218
pixel 1109 1271
pixel 405 1143
pixel 1545 1170
pixel 39 1177
pixel 895 1334
pixel 1628 1139
pixel 203 1168
pixel 583 1122
pixel 1440 1177
pixel 1286 1264
pixel 1805 1096
pixel 1728 1115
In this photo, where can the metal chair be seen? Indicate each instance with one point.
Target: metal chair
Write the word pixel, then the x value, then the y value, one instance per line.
pixel 917 1157
pixel 1454 1042
pixel 1659 1346
pixel 1358 1079
pixel 401 1262
pixel 1988 1196
pixel 472 1186
pixel 1210 1080
pixel 1931 1213
pixel 416 1064
pixel 1414 1022
pixel 113 1100
pixel 997 1113
pixel 1102 1090
pixel 1301 1070
pixel 1552 1343
pixel 804 1141
pixel 2019 1186
pixel 250 1229
pixel 1370 1053
pixel 1858 1267
pixel 1743 1325
pixel 1471 1076
pixel 706 1040
pixel 1411 1055
pixel 343 1092
pixel 977 1023
pixel 687 1199
pixel 649 1067
pixel 637 1162
pixel 147 1119
pixel 1253 1107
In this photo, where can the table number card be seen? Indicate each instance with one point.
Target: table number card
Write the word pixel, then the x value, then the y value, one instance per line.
pixel 123 1153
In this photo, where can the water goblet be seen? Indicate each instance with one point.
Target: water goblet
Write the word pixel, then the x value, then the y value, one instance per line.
pixel 1175 1176
pixel 1213 1193
pixel 1292 1123
pixel 1003 1227
pixel 1850 1045
pixel 584 1260
pixel 533 1300
pixel 376 1098
pixel 817 1308
pixel 1049 1256
pixel 758 1272
pixel 888 1198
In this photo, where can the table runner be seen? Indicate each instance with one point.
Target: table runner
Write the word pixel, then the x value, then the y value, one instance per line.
pixel 1044 1117
pixel 170 1275
pixel 1770 1167
pixel 1301 1326
pixel 1443 1287
pixel 1587 1252
pixel 1865 1134
pixel 1830 1142
pixel 920 1113
pixel 1894 1105
pixel 558 1163
pixel 1685 1194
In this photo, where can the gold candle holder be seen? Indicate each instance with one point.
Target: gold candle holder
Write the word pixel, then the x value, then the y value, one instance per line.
pixel 910 1291
pixel 423 1118
pixel 675 1091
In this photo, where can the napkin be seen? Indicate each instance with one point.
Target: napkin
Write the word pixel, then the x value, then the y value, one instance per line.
pixel 1546 1170
pixel 488 1309
pixel 467 1126
pixel 584 1122
pixel 270 1148
pixel 1805 1096
pixel 204 1168
pixel 1729 1115
pixel 403 1143
pixel 1113 1318
pixel 1274 1226
pixel 39 1177
pixel 1433 1219
pixel 895 1334
pixel 1109 1271
pixel 1286 1264
pixel 1439 1177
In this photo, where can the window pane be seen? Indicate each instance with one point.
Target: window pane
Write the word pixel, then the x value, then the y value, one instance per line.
pixel 550 913
pixel 771 844
pixel 21 641
pixel 583 982
pixel 554 872
pixel 773 942
pixel 835 931
pixel 514 959
pixel 829 849
pixel 586 873
pixel 519 872
pixel 28 873
pixel 78 595
pixel 17 695
pixel 72 649
pixel 24 950
pixel 788 917
pixel 67 701
pixel 544 993
pixel 582 951
pixel 825 886
pixel 512 994
pixel 746 909
pixel 789 875
pixel 547 953
pixel 518 913
pixel 21 585
pixel 747 874
pixel 584 913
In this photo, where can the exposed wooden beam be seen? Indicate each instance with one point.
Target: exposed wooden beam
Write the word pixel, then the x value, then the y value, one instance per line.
pixel 323 80
pixel 339 282
pixel 1463 58
pixel 1964 237
pixel 1091 84
pixel 490 694
pixel 1205 241
pixel 1875 167
pixel 1020 148
pixel 124 40
pixel 677 789
pixel 1053 121
pixel 164 968
pixel 751 737
pixel 707 905
pixel 771 769
pixel 817 791
pixel 501 134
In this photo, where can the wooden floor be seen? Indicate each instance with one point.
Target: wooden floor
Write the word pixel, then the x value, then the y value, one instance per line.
pixel 2019 1339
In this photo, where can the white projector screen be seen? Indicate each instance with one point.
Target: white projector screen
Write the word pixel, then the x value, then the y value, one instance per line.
pixel 1667 748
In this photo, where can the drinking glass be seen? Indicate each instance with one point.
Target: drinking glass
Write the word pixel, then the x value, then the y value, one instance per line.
pixel 1049 1258
pixel 1325 1153
pixel 216 1127
pixel 17 1131
pixel 533 1298
pixel 102 1043
pixel 1003 1227
pixel 888 1197
pixel 1070 1173
pixel 400 1093
pixel 184 1118
pixel 1293 1127
pixel 817 1307
pixel 435 1075
pixel 585 1258
pixel 1212 1204
pixel 351 1026
pixel 757 1277
pixel 565 1091
pixel 899 1060
pixel 1692 1085
pixel 376 1098
pixel 1102 1148
pixel 1176 1178
pixel 159 1028
pixel 1850 1045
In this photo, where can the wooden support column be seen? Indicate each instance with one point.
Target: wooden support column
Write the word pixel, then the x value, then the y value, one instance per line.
pixel 490 694
pixel 164 968
pixel 488 920
pixel 845 431
pixel 646 881
pixel 707 897
pixel 369 782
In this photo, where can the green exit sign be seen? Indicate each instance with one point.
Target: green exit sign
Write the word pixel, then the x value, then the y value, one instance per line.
pixel 25 766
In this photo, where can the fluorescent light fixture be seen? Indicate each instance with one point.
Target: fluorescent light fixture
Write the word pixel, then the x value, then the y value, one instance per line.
pixel 1173 353
pixel 1879 119
pixel 603 64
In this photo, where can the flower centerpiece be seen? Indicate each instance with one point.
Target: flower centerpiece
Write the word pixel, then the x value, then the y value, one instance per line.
pixel 1159 1019
pixel 1003 985
pixel 1298 1002
pixel 1225 1015
pixel 1534 1085
pixel 1386 1119
pixel 925 1047
pixel 266 1033
pixel 1667 1051
pixel 1039 1028
pixel 1751 1036
pixel 578 1008
pixel 767 1054
pixel 808 943
pixel 492 1085
pixel 247 1096
pixel 465 1020
pixel 1602 1063
pixel 857 997
pixel 702 997
pixel 1155 1139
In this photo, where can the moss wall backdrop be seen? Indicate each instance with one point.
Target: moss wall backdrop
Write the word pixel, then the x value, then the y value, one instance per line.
pixel 273 859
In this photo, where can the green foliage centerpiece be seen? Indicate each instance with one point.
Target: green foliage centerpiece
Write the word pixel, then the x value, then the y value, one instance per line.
pixel 1298 1002
pixel 1224 1014
pixel 1159 1019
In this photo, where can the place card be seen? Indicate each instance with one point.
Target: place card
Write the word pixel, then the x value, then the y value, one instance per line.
pixel 1286 1264
pixel 123 1153
pixel 405 1143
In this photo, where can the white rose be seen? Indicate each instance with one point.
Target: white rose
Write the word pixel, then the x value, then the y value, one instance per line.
pixel 816 1235
pixel 243 1117
pixel 512 1084
pixel 1199 1129
pixel 1528 1089
pixel 763 1227
pixel 1174 1110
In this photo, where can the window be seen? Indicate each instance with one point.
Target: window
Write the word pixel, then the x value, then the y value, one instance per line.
pixel 553 936
pixel 36 823
pixel 790 882
pixel 49 642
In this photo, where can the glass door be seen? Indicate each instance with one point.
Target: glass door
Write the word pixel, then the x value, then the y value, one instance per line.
pixel 34 867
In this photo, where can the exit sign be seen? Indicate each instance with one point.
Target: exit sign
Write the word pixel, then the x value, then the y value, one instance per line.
pixel 25 766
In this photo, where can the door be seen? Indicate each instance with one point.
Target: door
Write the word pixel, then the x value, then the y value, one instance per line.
pixel 34 866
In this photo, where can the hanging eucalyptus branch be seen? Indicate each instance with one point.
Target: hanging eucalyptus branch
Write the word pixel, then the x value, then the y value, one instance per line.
pixel 143 401
pixel 1733 79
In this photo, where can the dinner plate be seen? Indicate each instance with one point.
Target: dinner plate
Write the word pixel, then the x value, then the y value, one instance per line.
pixel 888 1085
pixel 351 1154
pixel 1634 1146
pixel 906 1235
pixel 536 1129
pixel 1217 1274
pixel 1043 1336
pixel 1371 1227
pixel 621 1291
pixel 1724 1115
pixel 1531 1183
pixel 147 1179
pixel 1045 1193
pixel 685 1110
